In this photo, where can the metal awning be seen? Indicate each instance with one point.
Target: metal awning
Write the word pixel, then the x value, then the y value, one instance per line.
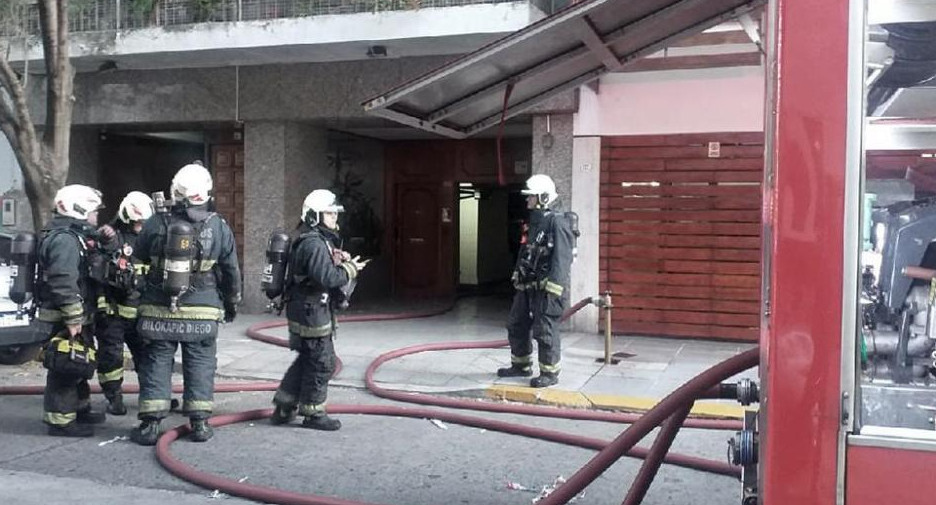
pixel 552 56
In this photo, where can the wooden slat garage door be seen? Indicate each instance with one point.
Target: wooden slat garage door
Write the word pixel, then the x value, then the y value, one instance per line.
pixel 681 233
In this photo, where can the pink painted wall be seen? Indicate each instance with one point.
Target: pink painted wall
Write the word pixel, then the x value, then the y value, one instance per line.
pixel 676 101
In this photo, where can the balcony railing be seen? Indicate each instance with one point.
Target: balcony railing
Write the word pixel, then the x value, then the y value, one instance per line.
pixel 108 15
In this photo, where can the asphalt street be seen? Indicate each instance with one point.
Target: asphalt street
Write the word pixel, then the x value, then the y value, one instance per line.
pixel 373 459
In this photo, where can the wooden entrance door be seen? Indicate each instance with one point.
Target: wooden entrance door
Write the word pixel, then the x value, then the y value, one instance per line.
pixel 227 164
pixel 417 243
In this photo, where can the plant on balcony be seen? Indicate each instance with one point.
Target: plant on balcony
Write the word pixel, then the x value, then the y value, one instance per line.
pixel 142 11
pixel 205 10
pixel 42 156
pixel 390 5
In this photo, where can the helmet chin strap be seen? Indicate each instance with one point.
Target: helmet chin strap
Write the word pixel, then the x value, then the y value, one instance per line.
pixel 312 219
pixel 542 201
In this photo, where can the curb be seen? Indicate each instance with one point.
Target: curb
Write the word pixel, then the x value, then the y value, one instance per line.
pixel 577 399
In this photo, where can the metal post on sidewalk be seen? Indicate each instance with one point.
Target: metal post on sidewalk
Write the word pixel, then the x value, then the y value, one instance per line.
pixel 604 302
pixel 607 307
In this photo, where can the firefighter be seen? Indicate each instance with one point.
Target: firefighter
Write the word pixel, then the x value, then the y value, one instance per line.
pixel 318 270
pixel 65 299
pixel 192 285
pixel 118 303
pixel 541 277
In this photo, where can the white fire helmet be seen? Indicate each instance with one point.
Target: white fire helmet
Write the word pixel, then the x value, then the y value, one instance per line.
pixel 192 184
pixel 318 201
pixel 543 187
pixel 136 206
pixel 77 201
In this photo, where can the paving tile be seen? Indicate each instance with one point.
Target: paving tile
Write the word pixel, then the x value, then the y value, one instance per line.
pixel 618 386
pixel 659 366
pixel 629 373
pixel 469 382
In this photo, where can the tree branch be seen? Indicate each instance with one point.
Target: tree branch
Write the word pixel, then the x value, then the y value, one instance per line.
pixel 10 81
pixel 48 25
pixel 57 134
pixel 8 123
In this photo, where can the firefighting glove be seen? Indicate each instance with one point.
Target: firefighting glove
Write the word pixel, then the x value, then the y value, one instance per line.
pixel 230 312
pixel 359 264
pixel 108 236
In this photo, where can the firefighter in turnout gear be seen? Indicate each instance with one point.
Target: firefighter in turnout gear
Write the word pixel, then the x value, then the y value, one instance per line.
pixel 117 304
pixel 540 277
pixel 192 285
pixel 66 306
pixel 318 270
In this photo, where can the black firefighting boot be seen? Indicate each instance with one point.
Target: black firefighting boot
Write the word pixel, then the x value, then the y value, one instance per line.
pixel 89 416
pixel 115 405
pixel 515 371
pixel 72 429
pixel 147 433
pixel 321 422
pixel 201 430
pixel 545 379
pixel 283 414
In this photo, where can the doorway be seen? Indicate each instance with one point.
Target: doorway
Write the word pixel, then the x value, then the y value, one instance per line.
pixel 490 220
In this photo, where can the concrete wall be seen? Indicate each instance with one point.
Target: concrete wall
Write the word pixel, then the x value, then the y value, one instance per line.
pixel 678 101
pixel 421 31
pixel 11 177
pixel 84 169
pixel 306 92
pixel 11 188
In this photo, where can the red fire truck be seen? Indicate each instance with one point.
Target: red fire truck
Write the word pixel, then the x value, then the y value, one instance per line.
pixel 847 333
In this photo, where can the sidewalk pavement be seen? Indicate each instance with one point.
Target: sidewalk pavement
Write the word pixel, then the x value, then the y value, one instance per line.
pixel 650 369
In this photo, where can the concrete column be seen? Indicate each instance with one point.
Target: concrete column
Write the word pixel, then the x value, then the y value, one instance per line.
pixel 264 174
pixel 553 155
pixel 306 166
pixel 552 151
pixel 586 186
pixel 84 158
pixel 283 163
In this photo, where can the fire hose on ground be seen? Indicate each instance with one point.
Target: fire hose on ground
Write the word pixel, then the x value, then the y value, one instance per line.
pixel 672 413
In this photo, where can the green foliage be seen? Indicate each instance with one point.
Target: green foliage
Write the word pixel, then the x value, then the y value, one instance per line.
pixel 12 17
pixel 205 9
pixel 360 226
pixel 141 7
